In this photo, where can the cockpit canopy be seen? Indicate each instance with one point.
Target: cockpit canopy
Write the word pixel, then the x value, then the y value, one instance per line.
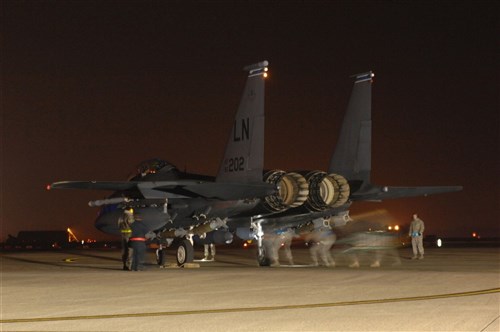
pixel 151 166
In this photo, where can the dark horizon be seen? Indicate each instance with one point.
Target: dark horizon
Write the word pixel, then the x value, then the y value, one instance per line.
pixel 91 89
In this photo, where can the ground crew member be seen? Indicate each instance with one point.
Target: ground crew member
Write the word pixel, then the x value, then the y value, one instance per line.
pixel 270 251
pixel 209 250
pixel 284 240
pixel 322 240
pixel 124 223
pixel 417 234
pixel 138 243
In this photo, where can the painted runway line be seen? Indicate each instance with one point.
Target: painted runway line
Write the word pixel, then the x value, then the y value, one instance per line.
pixel 250 309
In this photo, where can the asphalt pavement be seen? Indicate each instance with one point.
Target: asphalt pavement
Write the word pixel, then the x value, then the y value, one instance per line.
pixel 452 289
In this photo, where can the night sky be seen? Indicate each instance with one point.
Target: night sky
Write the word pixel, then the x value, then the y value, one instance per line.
pixel 91 89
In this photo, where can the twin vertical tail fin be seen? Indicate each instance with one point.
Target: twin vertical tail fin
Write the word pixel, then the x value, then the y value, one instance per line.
pixel 243 160
pixel 353 153
pixel 352 156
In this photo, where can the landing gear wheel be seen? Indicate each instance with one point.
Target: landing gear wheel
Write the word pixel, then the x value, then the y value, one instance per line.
pixel 184 252
pixel 262 259
pixel 160 256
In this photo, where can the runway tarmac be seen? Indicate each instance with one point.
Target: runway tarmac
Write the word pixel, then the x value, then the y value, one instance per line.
pixel 455 289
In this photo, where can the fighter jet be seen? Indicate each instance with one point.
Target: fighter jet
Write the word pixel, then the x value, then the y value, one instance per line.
pixel 327 196
pixel 242 199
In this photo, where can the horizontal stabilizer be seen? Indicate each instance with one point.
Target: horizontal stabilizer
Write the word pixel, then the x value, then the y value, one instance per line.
pixel 375 193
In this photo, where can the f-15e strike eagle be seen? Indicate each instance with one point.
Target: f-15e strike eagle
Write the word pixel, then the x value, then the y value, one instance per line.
pixel 243 199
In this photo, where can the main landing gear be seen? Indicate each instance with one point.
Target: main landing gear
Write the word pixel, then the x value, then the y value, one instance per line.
pixel 262 257
pixel 184 252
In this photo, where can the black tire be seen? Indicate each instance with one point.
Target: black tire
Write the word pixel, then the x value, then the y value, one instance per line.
pixel 262 259
pixel 160 257
pixel 184 252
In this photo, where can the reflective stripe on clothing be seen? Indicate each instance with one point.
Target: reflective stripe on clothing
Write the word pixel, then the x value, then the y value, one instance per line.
pixel 137 239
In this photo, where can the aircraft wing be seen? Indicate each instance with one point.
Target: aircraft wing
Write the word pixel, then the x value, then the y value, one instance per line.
pixel 94 185
pixel 376 193
pixel 211 190
pixel 151 189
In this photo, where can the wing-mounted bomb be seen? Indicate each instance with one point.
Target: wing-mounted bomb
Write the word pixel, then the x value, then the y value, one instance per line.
pixel 218 236
pixel 326 191
pixel 293 190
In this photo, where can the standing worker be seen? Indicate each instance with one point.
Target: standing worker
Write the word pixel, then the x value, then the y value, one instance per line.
pixel 138 244
pixel 417 234
pixel 284 239
pixel 321 240
pixel 209 249
pixel 124 223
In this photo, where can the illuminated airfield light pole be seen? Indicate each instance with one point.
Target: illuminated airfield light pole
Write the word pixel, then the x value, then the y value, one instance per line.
pixel 71 236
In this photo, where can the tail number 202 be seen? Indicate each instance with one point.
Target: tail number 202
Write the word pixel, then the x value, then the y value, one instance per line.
pixel 236 164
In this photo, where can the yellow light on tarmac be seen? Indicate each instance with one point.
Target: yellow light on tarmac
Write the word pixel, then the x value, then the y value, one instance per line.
pixel 396 228
pixel 265 75
pixel 390 228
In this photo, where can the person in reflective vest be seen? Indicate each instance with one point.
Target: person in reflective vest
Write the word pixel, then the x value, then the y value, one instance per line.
pixel 124 223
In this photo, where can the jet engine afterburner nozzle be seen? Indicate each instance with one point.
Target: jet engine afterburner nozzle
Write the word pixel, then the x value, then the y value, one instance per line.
pixel 293 190
pixel 326 190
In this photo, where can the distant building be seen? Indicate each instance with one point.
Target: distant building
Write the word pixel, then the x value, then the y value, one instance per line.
pixel 38 240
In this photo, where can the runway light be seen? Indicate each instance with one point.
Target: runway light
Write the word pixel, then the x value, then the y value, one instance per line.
pixel 396 228
pixel 390 228
pixel 439 243
pixel 265 75
pixel 48 187
pixel 474 234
